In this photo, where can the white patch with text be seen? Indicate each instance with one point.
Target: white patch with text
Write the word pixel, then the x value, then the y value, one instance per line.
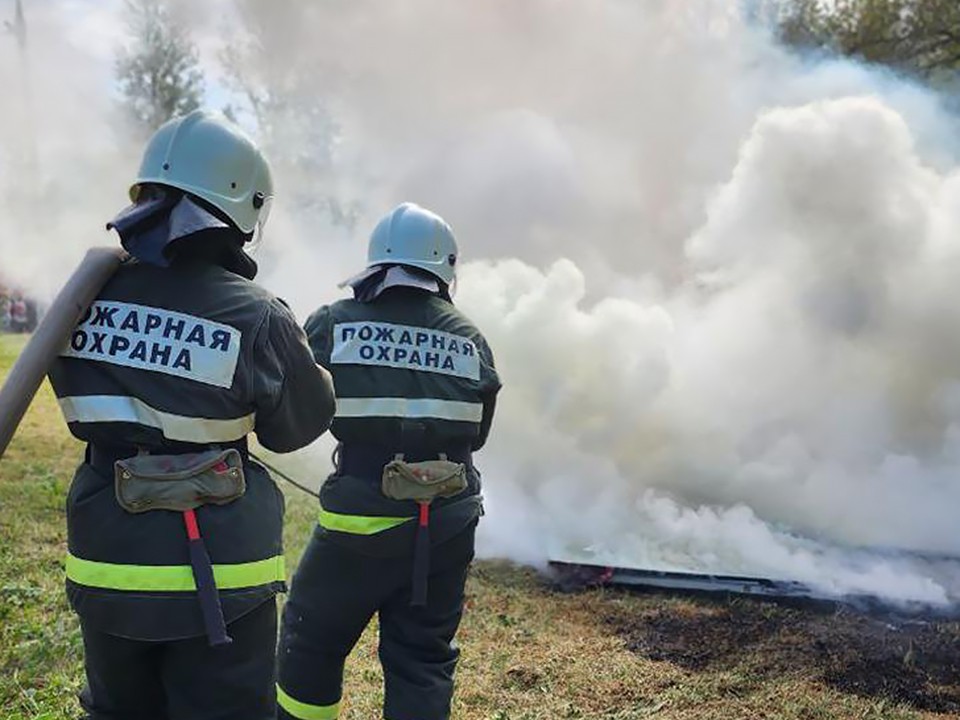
pixel 405 346
pixel 149 338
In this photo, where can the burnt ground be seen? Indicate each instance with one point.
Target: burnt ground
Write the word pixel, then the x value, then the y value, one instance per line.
pixel 906 660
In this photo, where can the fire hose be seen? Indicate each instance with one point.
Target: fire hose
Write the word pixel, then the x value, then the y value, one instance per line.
pixel 283 475
pixel 52 335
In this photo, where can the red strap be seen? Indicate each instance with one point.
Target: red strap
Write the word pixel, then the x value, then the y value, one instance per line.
pixel 190 520
pixel 424 514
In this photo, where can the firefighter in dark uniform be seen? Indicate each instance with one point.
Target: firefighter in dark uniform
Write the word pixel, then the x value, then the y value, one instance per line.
pixel 179 359
pixel 416 387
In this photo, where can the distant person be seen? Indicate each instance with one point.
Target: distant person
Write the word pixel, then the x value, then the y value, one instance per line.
pixel 19 320
pixel 416 389
pixel 176 362
pixel 33 314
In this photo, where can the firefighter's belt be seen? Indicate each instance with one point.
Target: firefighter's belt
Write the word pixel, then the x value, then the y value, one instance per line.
pixel 179 482
pixel 423 481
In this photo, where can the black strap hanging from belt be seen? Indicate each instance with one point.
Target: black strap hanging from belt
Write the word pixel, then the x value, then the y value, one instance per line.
pixel 207 594
pixel 421 558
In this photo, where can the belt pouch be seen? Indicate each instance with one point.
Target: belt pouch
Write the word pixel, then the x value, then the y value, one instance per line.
pixel 422 482
pixel 182 483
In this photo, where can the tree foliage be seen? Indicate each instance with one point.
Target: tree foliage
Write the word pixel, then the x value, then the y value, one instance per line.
pixel 287 91
pixel 917 36
pixel 159 75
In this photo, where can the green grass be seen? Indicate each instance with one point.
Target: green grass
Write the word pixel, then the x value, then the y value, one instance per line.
pixel 529 652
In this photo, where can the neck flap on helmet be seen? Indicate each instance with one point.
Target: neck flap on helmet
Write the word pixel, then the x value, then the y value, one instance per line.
pixel 162 216
pixel 371 283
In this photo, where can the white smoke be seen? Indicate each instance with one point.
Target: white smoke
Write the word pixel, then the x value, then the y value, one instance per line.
pixel 723 326
pixel 65 155
pixel 801 382
pixel 718 280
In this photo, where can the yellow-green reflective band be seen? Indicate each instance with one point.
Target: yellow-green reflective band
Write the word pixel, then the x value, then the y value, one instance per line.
pixel 172 578
pixel 306 711
pixel 358 524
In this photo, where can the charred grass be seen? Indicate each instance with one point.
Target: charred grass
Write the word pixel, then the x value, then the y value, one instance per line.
pixel 614 654
pixel 528 650
pixel 874 657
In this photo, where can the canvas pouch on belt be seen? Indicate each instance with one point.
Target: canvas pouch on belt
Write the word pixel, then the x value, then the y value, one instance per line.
pixel 423 481
pixel 179 482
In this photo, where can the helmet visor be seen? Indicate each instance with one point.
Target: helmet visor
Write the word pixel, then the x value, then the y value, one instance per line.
pixel 262 218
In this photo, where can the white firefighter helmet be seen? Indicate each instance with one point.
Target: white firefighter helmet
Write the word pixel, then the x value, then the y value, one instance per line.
pixel 207 156
pixel 411 235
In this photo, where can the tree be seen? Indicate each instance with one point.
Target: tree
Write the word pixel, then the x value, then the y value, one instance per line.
pixel 915 36
pixel 159 75
pixel 802 23
pixel 288 94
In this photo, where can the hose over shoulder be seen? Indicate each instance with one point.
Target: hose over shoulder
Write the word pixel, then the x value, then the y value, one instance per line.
pixel 53 333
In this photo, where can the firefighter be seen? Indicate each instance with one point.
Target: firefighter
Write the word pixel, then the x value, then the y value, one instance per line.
pixel 179 359
pixel 416 388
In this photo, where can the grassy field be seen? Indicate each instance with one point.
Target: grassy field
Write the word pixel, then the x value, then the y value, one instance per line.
pixel 529 651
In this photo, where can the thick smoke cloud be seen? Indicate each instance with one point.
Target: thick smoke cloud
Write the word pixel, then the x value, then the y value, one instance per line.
pixel 717 278
pixel 802 385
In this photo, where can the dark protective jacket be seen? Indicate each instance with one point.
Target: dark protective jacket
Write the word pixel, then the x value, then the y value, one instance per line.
pixel 173 360
pixel 412 375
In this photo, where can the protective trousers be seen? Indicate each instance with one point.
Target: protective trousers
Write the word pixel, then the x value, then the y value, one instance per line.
pixel 334 595
pixel 184 679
